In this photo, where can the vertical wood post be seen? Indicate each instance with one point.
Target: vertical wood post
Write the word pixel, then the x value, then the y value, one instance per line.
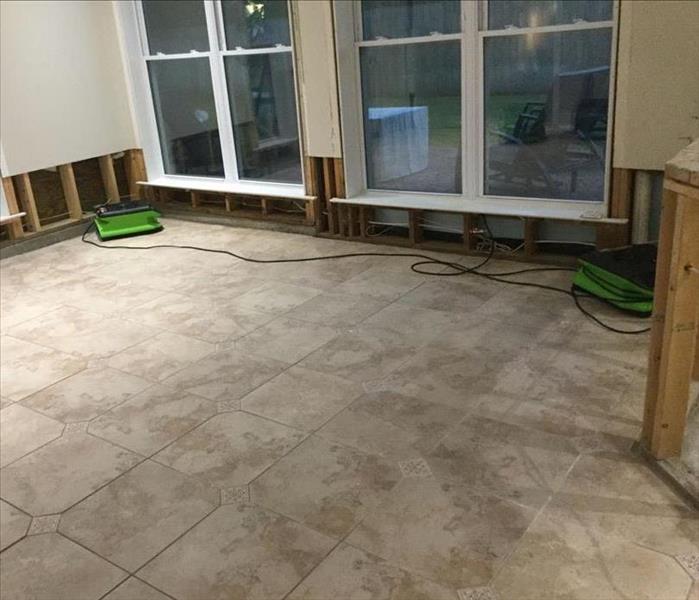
pixel 14 227
pixel 109 178
pixel 70 191
pixel 470 222
pixel 414 229
pixel 531 231
pixel 26 198
pixel 674 328
pixel 135 171
pixel 329 192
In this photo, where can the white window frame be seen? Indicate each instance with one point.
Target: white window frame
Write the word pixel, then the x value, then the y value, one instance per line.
pixel 137 54
pixel 348 24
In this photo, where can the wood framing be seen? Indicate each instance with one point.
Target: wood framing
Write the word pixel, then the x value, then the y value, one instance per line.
pixel 109 178
pixel 135 171
pixel 23 185
pixel 531 230
pixel 14 226
pixel 674 333
pixel 70 191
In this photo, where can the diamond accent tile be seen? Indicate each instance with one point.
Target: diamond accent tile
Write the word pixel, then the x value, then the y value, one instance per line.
pixel 45 524
pixel 691 564
pixel 478 593
pixel 415 467
pixel 72 428
pixel 236 495
pixel 228 405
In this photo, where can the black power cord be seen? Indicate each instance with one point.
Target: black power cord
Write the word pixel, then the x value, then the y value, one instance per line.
pixel 457 269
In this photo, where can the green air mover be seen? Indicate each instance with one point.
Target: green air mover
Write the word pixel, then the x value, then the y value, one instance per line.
pixel 622 277
pixel 126 219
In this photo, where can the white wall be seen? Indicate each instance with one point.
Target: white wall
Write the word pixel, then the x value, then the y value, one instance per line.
pixel 657 104
pixel 62 88
pixel 317 78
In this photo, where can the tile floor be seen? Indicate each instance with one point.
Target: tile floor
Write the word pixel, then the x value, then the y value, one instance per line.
pixel 182 425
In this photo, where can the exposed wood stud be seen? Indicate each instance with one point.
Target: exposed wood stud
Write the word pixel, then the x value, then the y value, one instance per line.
pixel 135 171
pixel 610 235
pixel 264 204
pixel 414 229
pixel 109 178
pixel 329 192
pixel 531 229
pixel 674 328
pixel 622 193
pixel 353 221
pixel 364 221
pixel 470 224
pixel 26 198
pixel 195 198
pixel 14 227
pixel 228 202
pixel 70 191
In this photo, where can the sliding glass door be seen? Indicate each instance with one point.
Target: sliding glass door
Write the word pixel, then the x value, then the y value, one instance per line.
pixel 221 78
pixel 495 99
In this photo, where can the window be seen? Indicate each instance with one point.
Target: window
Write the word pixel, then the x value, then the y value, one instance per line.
pixel 487 101
pixel 221 79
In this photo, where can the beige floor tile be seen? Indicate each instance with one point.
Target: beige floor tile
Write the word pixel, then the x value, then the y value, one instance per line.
pixel 198 318
pixel 55 477
pixel 361 354
pixel 23 430
pixel 327 487
pixel 417 325
pixel 593 385
pixel 562 557
pixel 238 553
pixel 301 398
pixel 276 297
pixel 133 518
pixel 503 458
pixel 462 294
pixel 286 340
pixel 135 589
pixel 50 567
pixel 620 477
pixel 230 449
pixel 81 333
pixel 350 574
pixel 86 395
pixel 455 377
pixel 222 289
pixel 443 532
pixel 161 356
pixel 152 419
pixel 13 525
pixel 28 368
pixel 336 310
pixel 227 375
pixel 22 307
pixel 380 284
pixel 390 424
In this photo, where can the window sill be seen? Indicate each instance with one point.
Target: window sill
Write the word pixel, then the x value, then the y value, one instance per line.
pixel 248 188
pixel 505 207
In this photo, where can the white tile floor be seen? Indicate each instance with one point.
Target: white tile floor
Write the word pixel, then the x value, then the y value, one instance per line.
pixel 184 425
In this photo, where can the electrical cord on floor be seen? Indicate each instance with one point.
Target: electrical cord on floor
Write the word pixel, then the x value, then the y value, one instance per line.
pixel 457 269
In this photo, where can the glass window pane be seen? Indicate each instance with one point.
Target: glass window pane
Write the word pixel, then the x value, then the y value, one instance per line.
pixel 263 107
pixel 256 23
pixel 186 115
pixel 546 104
pixel 539 13
pixel 412 116
pixel 409 18
pixel 175 26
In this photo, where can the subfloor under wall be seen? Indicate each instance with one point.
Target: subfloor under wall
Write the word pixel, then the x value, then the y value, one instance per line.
pixel 178 424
